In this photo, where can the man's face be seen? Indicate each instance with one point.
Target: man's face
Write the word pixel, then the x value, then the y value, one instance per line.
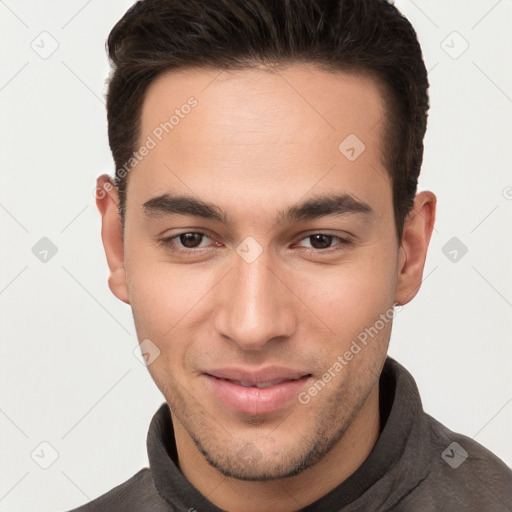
pixel 262 297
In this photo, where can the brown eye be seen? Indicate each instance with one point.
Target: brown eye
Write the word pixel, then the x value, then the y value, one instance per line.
pixel 187 243
pixel 190 240
pixel 321 241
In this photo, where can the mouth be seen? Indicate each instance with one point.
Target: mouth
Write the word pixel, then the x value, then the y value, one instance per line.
pixel 259 385
pixel 254 393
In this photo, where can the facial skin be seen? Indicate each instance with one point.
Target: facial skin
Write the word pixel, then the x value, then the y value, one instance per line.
pixel 257 144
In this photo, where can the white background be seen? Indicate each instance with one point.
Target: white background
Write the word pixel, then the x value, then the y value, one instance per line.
pixel 68 374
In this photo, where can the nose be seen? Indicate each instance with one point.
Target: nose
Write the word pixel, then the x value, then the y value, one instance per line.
pixel 256 306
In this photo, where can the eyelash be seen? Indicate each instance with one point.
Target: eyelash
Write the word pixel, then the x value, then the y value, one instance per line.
pixel 169 243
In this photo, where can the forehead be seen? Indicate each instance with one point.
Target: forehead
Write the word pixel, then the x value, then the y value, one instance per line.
pixel 290 129
pixel 298 97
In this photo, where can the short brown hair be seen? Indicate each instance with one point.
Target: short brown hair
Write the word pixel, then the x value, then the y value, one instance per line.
pixel 364 36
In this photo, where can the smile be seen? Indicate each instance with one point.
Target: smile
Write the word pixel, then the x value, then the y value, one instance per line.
pixel 259 385
pixel 259 393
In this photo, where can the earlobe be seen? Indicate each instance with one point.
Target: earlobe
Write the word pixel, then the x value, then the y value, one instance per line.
pixel 107 201
pixel 418 228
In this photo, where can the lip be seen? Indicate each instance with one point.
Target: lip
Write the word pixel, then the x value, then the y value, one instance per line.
pixel 285 385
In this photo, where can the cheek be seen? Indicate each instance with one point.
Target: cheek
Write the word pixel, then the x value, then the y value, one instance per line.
pixel 165 303
pixel 352 295
pixel 163 296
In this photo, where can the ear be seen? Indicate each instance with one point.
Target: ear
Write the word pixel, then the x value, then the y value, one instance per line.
pixel 418 227
pixel 107 201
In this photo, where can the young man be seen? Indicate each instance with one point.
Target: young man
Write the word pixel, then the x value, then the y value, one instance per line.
pixel 264 225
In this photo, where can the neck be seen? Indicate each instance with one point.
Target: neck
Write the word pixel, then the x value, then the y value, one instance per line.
pixel 285 494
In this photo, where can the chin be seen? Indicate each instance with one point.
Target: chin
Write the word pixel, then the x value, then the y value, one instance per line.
pixel 258 461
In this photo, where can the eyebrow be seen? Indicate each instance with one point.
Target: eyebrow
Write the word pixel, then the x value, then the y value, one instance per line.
pixel 314 208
